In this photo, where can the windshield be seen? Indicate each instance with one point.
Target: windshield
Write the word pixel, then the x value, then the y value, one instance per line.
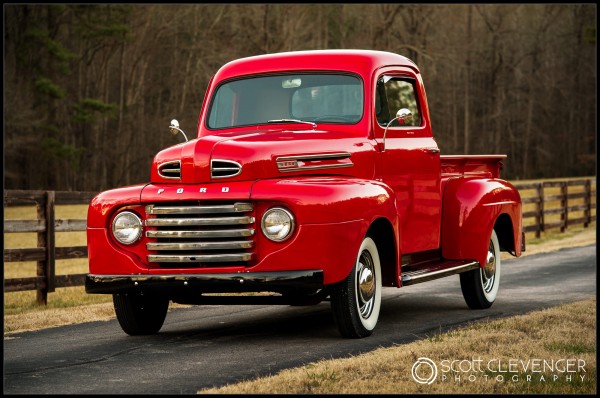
pixel 324 98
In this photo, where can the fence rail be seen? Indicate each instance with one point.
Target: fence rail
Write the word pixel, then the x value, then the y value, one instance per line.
pixel 46 253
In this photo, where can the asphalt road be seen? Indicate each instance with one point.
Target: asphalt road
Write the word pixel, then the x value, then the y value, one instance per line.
pixel 202 347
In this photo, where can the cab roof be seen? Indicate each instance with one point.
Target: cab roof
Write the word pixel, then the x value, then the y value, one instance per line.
pixel 362 62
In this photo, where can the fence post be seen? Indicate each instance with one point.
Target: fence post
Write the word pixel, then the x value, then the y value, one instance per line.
pixel 564 203
pixel 50 241
pixel 588 203
pixel 42 291
pixel 45 239
pixel 539 218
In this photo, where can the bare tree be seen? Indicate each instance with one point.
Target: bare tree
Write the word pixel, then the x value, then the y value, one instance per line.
pixel 90 89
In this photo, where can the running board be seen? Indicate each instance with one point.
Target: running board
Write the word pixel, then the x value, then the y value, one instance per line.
pixel 435 270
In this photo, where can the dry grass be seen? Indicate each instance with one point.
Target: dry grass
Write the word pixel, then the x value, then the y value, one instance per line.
pixel 542 335
pixel 50 317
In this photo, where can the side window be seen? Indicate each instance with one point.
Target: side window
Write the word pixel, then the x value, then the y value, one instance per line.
pixel 393 94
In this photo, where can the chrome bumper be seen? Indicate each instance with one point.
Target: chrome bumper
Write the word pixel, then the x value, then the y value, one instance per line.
pixel 206 283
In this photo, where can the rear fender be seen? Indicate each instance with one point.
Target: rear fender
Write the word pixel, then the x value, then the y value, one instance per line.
pixel 471 207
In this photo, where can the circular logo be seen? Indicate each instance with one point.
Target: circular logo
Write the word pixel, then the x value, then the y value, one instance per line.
pixel 424 371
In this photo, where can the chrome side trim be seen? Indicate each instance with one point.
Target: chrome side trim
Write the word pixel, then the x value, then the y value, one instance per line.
pixel 331 166
pixel 174 222
pixel 204 258
pixel 239 207
pixel 176 168
pixel 313 157
pixel 230 233
pixel 246 244
pixel 316 156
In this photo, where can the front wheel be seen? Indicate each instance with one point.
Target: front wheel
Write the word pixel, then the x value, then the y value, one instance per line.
pixel 140 314
pixel 356 300
pixel 480 286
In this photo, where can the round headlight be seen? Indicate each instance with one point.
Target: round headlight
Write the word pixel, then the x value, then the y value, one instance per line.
pixel 127 227
pixel 277 224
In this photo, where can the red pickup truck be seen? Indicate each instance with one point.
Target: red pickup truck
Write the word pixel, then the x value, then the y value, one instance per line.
pixel 313 175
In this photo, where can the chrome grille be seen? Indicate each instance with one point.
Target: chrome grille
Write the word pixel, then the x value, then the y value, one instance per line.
pixel 200 234
pixel 170 170
pixel 224 168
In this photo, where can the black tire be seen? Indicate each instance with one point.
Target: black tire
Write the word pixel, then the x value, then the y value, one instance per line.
pixel 480 286
pixel 140 314
pixel 356 300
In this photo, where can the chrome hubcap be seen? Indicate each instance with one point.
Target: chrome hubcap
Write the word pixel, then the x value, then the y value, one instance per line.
pixel 365 284
pixel 488 273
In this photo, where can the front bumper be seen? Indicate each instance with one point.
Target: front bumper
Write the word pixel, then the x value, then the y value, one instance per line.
pixel 305 280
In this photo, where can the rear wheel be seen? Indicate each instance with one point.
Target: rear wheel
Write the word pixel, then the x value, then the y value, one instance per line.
pixel 356 300
pixel 480 286
pixel 140 314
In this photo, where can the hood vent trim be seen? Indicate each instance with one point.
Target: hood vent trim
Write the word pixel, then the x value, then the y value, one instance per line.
pixel 220 168
pixel 318 161
pixel 170 170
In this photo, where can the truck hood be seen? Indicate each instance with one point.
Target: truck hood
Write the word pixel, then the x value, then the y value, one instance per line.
pixel 260 154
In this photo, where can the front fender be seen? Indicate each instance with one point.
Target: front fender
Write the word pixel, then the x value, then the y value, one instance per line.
pixel 348 206
pixel 471 208
pixel 105 203
pixel 317 200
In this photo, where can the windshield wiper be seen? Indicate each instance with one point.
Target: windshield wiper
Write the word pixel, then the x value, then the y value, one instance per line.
pixel 314 125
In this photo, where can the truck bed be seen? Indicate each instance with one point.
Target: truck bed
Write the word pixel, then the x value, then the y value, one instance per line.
pixel 485 166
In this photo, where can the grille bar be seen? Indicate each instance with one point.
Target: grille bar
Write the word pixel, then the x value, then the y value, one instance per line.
pixel 240 207
pixel 226 233
pixel 176 222
pixel 203 258
pixel 245 244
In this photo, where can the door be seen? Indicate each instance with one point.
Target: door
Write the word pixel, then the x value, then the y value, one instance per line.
pixel 410 159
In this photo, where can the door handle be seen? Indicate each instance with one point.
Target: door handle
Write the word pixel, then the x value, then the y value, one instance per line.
pixel 432 150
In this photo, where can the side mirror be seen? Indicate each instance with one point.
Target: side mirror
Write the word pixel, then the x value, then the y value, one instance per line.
pixel 174 129
pixel 404 116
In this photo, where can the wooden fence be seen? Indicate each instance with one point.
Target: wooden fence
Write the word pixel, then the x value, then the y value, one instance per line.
pixel 557 199
pixel 541 204
pixel 46 251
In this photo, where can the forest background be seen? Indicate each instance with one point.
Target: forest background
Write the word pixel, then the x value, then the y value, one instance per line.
pixel 89 90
